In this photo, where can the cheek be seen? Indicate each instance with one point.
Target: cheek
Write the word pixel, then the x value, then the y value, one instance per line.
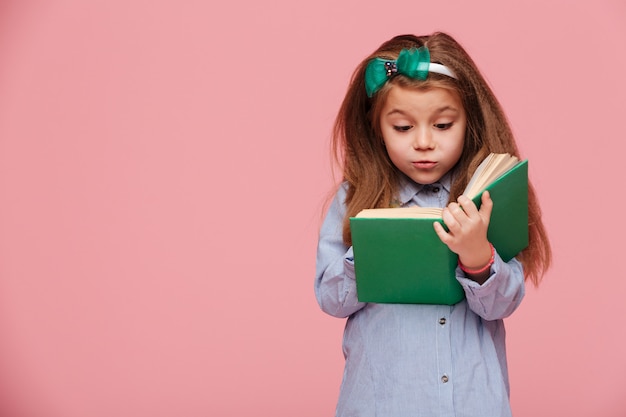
pixel 459 148
pixel 396 155
pixel 388 141
pixel 453 149
pixel 387 145
pixel 386 135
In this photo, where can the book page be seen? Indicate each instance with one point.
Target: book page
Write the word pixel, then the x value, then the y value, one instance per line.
pixel 401 212
pixel 488 171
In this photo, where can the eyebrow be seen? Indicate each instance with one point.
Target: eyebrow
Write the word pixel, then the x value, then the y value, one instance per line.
pixel 439 110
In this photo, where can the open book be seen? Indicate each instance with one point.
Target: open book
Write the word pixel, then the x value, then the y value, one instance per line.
pixel 399 258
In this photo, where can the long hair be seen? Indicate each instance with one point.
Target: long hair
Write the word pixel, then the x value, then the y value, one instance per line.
pixel 372 178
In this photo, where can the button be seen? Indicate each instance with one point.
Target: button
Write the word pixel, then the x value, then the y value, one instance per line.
pixel 444 379
pixel 435 189
pixel 442 321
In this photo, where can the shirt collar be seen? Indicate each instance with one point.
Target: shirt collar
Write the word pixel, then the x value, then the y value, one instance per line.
pixel 409 188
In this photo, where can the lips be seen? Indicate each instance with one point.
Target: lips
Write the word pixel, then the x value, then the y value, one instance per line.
pixel 424 164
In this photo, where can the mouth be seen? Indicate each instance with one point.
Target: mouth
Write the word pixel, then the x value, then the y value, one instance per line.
pixel 424 164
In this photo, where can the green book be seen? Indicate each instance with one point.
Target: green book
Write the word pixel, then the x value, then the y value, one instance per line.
pixel 399 258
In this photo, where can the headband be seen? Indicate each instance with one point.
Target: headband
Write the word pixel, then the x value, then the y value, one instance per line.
pixel 414 63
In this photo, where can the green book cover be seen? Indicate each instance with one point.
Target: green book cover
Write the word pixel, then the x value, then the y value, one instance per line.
pixel 402 260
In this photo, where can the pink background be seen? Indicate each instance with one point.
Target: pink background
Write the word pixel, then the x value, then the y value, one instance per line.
pixel 163 167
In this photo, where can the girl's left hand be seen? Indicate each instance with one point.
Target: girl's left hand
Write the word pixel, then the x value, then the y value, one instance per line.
pixel 467 235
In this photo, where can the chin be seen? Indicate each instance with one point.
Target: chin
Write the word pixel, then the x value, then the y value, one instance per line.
pixel 425 179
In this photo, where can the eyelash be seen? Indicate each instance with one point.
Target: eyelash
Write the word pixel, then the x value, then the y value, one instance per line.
pixel 440 126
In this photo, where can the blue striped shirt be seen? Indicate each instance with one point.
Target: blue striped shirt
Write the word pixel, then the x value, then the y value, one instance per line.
pixel 405 360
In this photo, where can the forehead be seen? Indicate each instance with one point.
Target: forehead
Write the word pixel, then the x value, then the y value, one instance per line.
pixel 433 99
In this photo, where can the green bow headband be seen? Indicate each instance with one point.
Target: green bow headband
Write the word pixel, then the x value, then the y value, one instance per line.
pixel 414 63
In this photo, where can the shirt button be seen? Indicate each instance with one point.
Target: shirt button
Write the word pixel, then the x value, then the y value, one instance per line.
pixel 435 189
pixel 444 379
pixel 442 321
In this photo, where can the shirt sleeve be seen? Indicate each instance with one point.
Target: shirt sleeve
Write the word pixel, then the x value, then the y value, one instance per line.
pixel 335 285
pixel 500 295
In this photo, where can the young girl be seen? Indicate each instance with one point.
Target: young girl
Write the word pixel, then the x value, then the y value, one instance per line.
pixel 416 121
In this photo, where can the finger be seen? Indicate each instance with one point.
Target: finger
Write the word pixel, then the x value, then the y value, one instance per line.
pixel 486 206
pixel 441 232
pixel 468 206
pixel 452 217
pixel 457 211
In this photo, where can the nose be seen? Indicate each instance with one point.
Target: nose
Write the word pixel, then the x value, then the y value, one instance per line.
pixel 423 139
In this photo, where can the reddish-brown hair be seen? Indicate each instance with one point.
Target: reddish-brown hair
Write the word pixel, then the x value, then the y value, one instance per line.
pixel 371 176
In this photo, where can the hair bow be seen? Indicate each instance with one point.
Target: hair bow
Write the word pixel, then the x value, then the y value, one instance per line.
pixel 414 63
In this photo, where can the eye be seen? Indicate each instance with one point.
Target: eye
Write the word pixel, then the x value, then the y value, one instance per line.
pixel 402 128
pixel 443 126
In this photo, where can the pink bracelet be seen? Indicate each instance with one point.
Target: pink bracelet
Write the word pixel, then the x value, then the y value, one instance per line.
pixel 484 268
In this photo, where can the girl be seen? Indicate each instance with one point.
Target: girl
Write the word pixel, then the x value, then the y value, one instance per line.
pixel 416 121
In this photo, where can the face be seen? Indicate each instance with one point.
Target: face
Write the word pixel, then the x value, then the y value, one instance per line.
pixel 423 131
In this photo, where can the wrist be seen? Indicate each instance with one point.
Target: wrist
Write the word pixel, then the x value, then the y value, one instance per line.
pixel 479 268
